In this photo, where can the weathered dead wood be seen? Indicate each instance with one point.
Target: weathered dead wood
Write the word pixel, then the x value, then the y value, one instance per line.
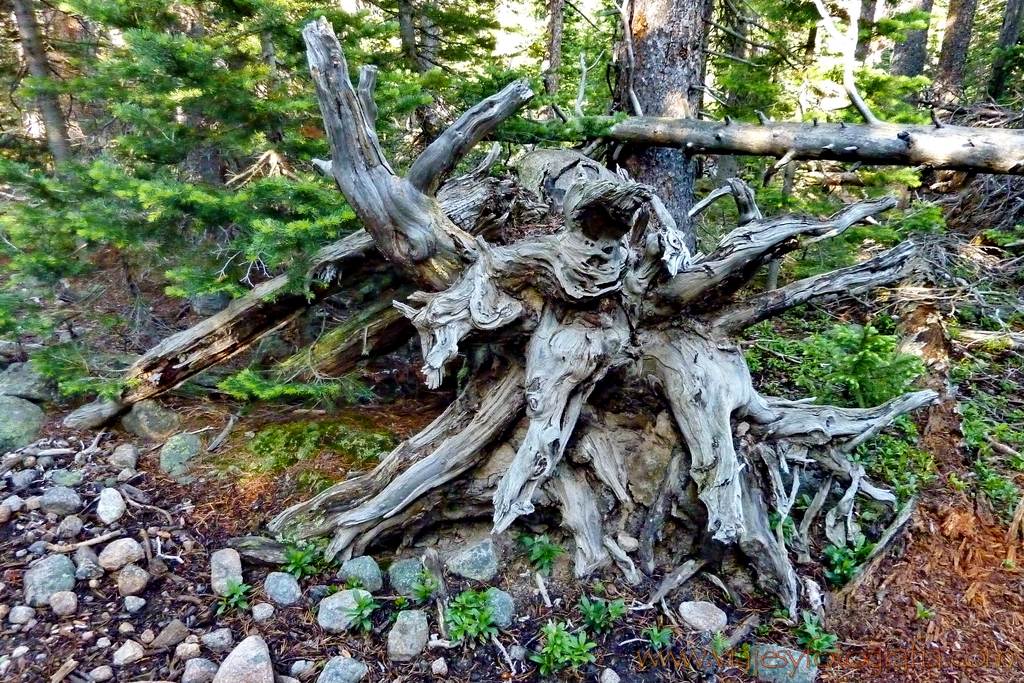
pixel 957 148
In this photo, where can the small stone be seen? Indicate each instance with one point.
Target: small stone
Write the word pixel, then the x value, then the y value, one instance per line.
pixel 220 640
pixel 49 575
pixel 125 456
pixel 342 670
pixel 503 607
pixel 262 611
pixel 125 474
pixel 64 603
pixel 5 513
pixel 249 662
pixel 408 637
pixel 38 548
pixel 365 570
pixel 147 636
pixel 101 674
pixel 69 478
pixel 300 667
pixel 187 651
pixel 110 506
pixel 14 502
pixel 132 580
pixel 225 570
pixel 22 479
pixel 629 545
pixel 150 420
pixel 609 675
pixel 177 452
pixel 92 415
pixel 128 653
pixel 119 553
pixel 778 664
pixel 703 616
pixel 439 667
pixel 403 574
pixel 125 627
pixel 199 670
pixel 517 653
pixel 172 634
pixel 60 500
pixel 103 643
pixel 4 611
pixel 334 612
pixel 132 604
pixel 87 563
pixel 282 588
pixel 319 592
pixel 19 652
pixel 33 503
pixel 478 562
pixel 70 527
pixel 21 614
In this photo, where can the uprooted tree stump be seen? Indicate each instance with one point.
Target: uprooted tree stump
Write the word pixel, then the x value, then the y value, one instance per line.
pixel 604 379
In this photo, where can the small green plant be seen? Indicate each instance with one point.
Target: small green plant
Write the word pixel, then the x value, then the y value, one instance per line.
pixel 236 597
pixel 719 643
pixel 360 613
pixel 958 483
pixel 658 638
pixel 811 636
pixel 923 613
pixel 249 385
pixel 353 582
pixel 561 649
pixel 599 615
pixel 1001 493
pixel 424 587
pixel 401 603
pixel 542 551
pixel 470 618
pixel 844 561
pixel 302 559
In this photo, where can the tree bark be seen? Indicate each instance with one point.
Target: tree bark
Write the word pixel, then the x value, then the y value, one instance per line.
pixel 949 77
pixel 866 22
pixel 669 41
pixel 1009 35
pixel 910 56
pixel 39 67
pixel 553 45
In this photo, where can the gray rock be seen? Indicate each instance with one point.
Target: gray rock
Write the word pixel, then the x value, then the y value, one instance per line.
pixel 21 614
pixel 517 653
pixel 52 574
pixel 118 553
pixel 125 456
pixel 225 570
pixel 24 381
pixel 176 453
pixel 150 420
pixel 220 640
pixel 22 479
pixel 439 667
pixel 60 500
pixel 70 527
pixel 170 635
pixel 101 674
pixel 248 662
pixel 333 614
pixel 478 562
pixel 503 607
pixel 703 616
pixel 342 670
pixel 110 506
pixel 134 604
pixel 262 611
pixel 132 580
pixel 778 664
pixel 403 574
pixel 628 544
pixel 64 477
pixel 609 676
pixel 199 670
pixel 209 304
pixel 282 588
pixel 92 415
pixel 64 603
pixel 300 667
pixel 319 592
pixel 20 422
pixel 87 563
pixel 5 513
pixel 408 637
pixel 187 651
pixel 14 502
pixel 365 570
pixel 128 653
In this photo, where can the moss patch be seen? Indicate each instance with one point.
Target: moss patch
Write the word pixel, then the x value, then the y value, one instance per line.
pixel 280 446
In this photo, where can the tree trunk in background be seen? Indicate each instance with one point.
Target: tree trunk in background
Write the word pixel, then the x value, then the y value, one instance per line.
pixel 553 47
pixel 39 66
pixel 911 56
pixel 949 78
pixel 1009 34
pixel 669 39
pixel 867 27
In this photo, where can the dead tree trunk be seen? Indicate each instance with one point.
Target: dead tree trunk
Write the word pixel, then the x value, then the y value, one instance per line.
pixel 609 287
